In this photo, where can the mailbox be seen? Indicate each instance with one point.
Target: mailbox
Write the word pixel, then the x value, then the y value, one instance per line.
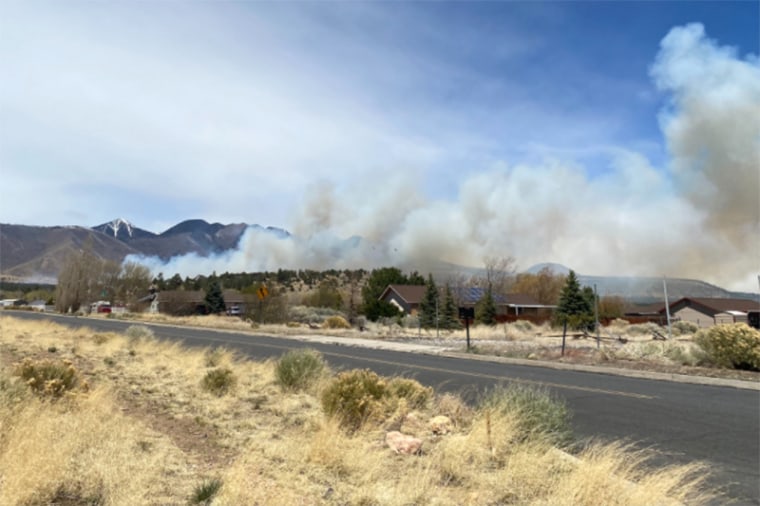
pixel 466 313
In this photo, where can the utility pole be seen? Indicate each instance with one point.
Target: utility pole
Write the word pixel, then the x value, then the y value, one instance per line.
pixel 596 315
pixel 667 305
pixel 436 319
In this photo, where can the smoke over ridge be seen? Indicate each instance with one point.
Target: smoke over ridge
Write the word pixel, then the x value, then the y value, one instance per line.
pixel 698 217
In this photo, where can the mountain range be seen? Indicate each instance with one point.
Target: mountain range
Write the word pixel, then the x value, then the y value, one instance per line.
pixel 36 254
pixel 32 253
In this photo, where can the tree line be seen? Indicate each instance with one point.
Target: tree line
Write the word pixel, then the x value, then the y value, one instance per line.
pixel 85 278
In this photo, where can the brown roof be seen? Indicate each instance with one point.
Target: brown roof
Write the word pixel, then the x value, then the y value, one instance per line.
pixel 231 296
pixel 718 305
pixel 411 294
pixel 181 295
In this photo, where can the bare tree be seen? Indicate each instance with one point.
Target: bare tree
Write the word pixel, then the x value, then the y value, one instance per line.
pixel 133 283
pixel 84 278
pixel 499 274
pixel 77 281
pixel 545 286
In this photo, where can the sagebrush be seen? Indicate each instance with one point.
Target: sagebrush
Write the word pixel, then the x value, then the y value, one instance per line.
pixel 219 381
pixel 734 345
pixel 336 322
pixel 48 377
pixel 298 369
pixel 354 397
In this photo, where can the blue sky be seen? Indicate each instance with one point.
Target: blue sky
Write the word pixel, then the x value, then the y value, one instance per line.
pixel 335 119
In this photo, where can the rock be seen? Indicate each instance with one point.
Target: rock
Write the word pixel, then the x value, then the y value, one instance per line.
pixel 441 425
pixel 400 443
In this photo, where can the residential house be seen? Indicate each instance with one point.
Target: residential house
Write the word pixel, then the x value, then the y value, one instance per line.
pixel 407 299
pixel 731 317
pixel 179 302
pixel 708 312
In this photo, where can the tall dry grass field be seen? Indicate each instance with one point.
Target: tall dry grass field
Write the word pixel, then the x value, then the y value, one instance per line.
pixel 150 422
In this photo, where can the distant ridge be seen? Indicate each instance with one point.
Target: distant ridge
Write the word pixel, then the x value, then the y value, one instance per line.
pixel 646 289
pixel 37 253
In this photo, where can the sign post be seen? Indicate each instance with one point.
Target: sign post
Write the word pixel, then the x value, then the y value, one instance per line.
pixel 262 293
pixel 467 314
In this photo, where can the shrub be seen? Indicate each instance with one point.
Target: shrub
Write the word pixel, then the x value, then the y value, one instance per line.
pixel 735 346
pixel 540 416
pixel 684 327
pixel 679 355
pixel 336 322
pixel 205 492
pixel 416 395
pixel 297 369
pixel 48 377
pixel 219 381
pixel 354 397
pixel 304 314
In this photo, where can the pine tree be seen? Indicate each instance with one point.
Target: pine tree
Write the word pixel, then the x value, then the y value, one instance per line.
pixel 378 280
pixel 485 312
pixel 576 305
pixel 450 313
pixel 429 305
pixel 214 299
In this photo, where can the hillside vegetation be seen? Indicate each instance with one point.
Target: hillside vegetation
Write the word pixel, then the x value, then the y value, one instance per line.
pixel 104 418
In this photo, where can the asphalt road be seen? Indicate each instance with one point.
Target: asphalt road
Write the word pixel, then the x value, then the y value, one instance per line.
pixel 684 422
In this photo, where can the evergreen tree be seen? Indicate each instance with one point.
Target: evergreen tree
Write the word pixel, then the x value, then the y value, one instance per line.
pixel 450 312
pixel 485 312
pixel 214 300
pixel 378 281
pixel 429 310
pixel 576 305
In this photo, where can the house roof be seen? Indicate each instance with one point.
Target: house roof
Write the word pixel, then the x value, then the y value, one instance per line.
pixel 411 294
pixel 231 296
pixel 714 306
pixel 181 296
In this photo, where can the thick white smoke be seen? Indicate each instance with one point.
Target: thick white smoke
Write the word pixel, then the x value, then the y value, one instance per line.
pixel 698 217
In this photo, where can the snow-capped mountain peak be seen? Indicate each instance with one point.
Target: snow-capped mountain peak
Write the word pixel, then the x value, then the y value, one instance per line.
pixel 123 230
pixel 117 225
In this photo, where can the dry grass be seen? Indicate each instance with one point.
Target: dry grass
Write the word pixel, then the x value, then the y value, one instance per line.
pixel 148 433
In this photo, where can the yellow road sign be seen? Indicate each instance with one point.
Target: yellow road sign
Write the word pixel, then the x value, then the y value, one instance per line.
pixel 262 292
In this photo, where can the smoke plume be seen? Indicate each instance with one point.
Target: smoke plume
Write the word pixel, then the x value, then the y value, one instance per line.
pixel 696 217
